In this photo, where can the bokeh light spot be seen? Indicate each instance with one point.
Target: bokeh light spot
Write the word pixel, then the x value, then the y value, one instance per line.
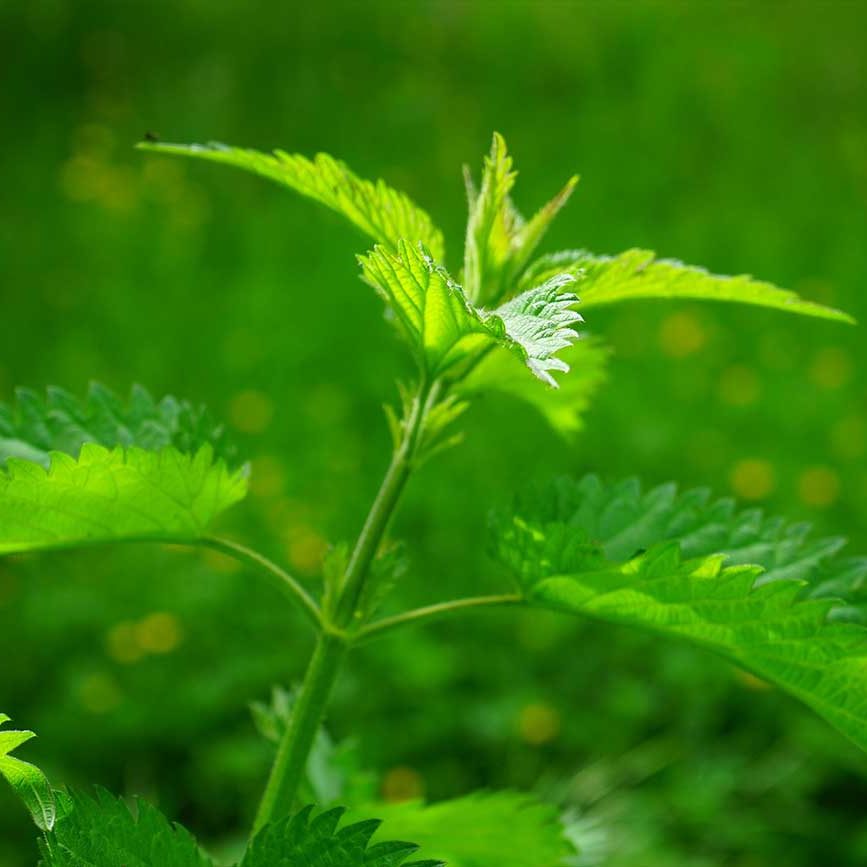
pixel 739 386
pixel 539 724
pixel 819 487
pixel 752 478
pixel 831 368
pixel 251 411
pixel 159 632
pixel 402 784
pixel 681 334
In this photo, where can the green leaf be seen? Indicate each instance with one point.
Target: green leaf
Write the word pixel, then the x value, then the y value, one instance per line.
pixel 101 471
pixel 33 426
pixel 499 241
pixel 638 274
pixel 101 831
pixel 380 212
pixel 563 408
pixel 445 329
pixel 302 841
pixel 112 495
pixel 29 783
pixel 480 830
pixel 579 548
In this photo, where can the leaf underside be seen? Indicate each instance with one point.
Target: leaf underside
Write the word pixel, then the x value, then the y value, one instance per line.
pixel 380 212
pixel 29 783
pixel 564 407
pixel 32 426
pixel 80 474
pixel 580 547
pixel 446 330
pixel 637 274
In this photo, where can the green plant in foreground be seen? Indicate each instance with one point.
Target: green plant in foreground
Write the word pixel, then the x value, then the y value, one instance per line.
pixel 759 592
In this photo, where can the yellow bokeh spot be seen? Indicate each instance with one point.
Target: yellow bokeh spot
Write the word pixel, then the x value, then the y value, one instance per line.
pixel 99 693
pixel 539 724
pixel 739 386
pixel 849 437
pixel 752 479
pixel 831 368
pixel 306 548
pixel 122 645
pixel 159 632
pixel 251 411
pixel 402 784
pixel 819 487
pixel 681 334
pixel 267 477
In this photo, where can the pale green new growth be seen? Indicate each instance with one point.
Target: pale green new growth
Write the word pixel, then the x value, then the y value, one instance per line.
pixel 29 783
pixel 382 213
pixel 113 495
pixel 497 829
pixel 578 548
pixel 638 274
pixel 499 241
pixel 445 329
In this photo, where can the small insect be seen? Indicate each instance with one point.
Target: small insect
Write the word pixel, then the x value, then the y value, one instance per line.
pixel 151 136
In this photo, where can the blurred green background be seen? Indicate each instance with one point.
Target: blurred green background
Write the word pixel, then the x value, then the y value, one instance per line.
pixel 728 135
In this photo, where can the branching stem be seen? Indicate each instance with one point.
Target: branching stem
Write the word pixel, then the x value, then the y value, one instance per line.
pixel 290 763
pixel 280 577
pixel 440 609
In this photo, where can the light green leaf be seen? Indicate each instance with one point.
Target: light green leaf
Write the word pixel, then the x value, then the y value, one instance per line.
pixel 112 495
pixel 304 842
pixel 382 213
pixel 504 829
pixel 638 274
pixel 499 241
pixel 101 470
pixel 445 329
pixel 29 783
pixel 579 548
pixel 564 407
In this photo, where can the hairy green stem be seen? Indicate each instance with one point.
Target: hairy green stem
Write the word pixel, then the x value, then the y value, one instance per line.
pixel 290 763
pixel 440 609
pixel 383 508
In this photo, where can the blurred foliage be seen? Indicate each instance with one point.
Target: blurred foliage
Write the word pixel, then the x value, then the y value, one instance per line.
pixel 731 136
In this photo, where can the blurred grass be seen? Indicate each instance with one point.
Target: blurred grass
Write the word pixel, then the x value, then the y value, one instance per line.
pixel 729 135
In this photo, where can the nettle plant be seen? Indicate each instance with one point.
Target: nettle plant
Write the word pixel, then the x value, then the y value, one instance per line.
pixel 755 590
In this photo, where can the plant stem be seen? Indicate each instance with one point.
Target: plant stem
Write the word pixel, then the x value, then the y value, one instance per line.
pixel 430 612
pixel 382 509
pixel 291 761
pixel 282 579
